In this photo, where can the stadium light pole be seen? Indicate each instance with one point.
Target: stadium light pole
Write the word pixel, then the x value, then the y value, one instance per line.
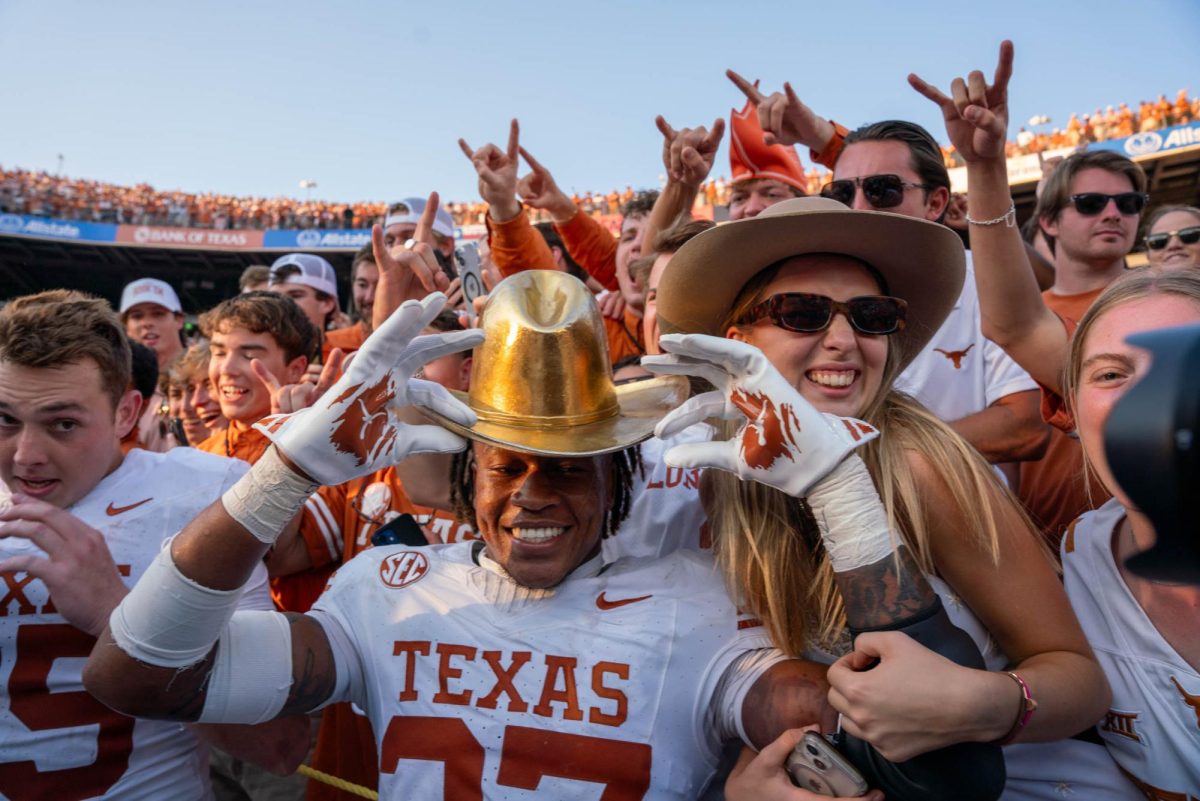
pixel 60 163
pixel 308 186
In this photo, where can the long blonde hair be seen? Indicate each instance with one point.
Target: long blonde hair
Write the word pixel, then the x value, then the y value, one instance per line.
pixel 767 543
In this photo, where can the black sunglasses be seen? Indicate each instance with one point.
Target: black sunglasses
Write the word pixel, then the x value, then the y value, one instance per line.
pixel 1188 236
pixel 1089 204
pixel 808 314
pixel 881 191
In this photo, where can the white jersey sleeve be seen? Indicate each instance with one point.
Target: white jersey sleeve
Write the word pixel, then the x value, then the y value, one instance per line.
pixel 474 685
pixel 57 741
pixel 1153 726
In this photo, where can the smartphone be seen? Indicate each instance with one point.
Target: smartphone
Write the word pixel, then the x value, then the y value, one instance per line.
pixel 471 275
pixel 816 765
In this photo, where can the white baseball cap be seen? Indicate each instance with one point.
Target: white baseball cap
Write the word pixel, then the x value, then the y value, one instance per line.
pixel 410 209
pixel 314 272
pixel 150 290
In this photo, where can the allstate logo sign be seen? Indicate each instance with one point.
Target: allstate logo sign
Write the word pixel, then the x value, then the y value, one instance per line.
pixel 11 222
pixel 1143 144
pixel 308 239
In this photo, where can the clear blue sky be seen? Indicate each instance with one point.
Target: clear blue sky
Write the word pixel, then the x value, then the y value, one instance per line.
pixel 368 99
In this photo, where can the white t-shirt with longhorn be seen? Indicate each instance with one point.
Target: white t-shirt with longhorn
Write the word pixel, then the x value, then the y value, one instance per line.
pixel 614 681
pixel 1153 727
pixel 961 372
pixel 56 741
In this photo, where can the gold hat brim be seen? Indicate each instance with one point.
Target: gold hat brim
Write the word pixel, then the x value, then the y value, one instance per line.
pixel 642 404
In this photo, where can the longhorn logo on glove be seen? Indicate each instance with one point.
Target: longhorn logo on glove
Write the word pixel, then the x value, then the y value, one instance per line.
pixel 769 432
pixel 362 430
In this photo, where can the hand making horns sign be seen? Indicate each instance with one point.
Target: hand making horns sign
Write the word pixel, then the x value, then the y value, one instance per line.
pixel 784 118
pixel 689 152
pixel 976 114
pixel 410 267
pixel 497 171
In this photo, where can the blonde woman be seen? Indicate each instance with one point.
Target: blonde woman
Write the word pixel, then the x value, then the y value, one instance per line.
pixel 838 302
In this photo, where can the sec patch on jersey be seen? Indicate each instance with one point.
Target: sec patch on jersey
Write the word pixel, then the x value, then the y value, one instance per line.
pixel 403 568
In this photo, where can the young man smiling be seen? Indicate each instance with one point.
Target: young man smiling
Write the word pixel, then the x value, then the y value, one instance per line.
pixel 262 326
pixel 84 524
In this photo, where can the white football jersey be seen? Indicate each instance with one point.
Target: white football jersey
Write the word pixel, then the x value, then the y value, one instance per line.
pixel 57 741
pixel 477 688
pixel 1153 727
pixel 665 512
pixel 962 372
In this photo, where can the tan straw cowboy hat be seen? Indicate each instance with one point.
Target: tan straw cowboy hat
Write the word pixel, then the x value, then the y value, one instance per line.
pixel 922 262
pixel 541 382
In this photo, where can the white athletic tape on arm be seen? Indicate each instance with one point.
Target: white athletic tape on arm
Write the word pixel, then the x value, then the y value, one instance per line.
pixel 266 499
pixel 168 620
pixel 852 520
pixel 252 674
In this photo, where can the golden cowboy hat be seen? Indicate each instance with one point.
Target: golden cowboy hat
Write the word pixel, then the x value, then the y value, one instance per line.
pixel 541 382
pixel 922 262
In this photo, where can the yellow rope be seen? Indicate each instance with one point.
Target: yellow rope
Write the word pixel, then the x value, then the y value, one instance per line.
pixel 341 784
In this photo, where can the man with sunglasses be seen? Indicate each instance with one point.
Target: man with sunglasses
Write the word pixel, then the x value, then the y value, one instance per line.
pixel 896 166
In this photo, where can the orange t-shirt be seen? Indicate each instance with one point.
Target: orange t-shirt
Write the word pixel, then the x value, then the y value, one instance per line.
pixel 247 444
pixel 624 337
pixel 349 339
pixel 1053 488
pixel 592 247
pixel 517 246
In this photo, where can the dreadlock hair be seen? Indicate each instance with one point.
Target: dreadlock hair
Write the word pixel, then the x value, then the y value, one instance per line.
pixel 624 464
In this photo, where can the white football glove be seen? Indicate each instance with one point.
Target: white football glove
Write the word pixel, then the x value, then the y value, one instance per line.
pixel 785 442
pixel 352 430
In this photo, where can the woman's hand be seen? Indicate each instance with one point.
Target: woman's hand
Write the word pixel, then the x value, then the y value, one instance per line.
pixel 762 776
pixel 906 700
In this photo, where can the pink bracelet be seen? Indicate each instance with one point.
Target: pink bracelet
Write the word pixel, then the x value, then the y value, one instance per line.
pixel 1029 705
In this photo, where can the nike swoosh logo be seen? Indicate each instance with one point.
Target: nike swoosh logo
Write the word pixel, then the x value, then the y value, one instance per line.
pixel 113 511
pixel 604 603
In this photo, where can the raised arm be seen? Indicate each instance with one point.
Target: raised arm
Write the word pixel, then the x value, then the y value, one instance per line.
pixel 1014 315
pixel 159 655
pixel 688 159
pixel 515 245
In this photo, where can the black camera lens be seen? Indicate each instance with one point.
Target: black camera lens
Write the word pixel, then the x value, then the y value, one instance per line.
pixel 812 749
pixel 819 765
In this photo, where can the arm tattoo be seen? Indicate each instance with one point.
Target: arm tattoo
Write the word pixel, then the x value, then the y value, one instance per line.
pixel 188 689
pixel 314 674
pixel 887 593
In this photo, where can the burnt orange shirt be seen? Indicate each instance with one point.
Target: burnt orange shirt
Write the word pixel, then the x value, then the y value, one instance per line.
pixel 1053 488
pixel 517 246
pixel 349 339
pixel 247 444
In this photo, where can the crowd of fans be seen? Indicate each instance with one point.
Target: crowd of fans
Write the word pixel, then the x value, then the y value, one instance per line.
pixel 42 194
pixel 877 490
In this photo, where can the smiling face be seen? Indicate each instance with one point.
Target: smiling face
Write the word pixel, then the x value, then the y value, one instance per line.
pixel 838 370
pixel 1176 253
pixel 59 432
pixel 1109 367
pixel 750 198
pixel 243 398
pixel 540 516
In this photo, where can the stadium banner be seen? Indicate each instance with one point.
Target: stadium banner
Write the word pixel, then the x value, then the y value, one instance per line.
pixel 206 238
pixel 1149 143
pixel 46 228
pixel 316 239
